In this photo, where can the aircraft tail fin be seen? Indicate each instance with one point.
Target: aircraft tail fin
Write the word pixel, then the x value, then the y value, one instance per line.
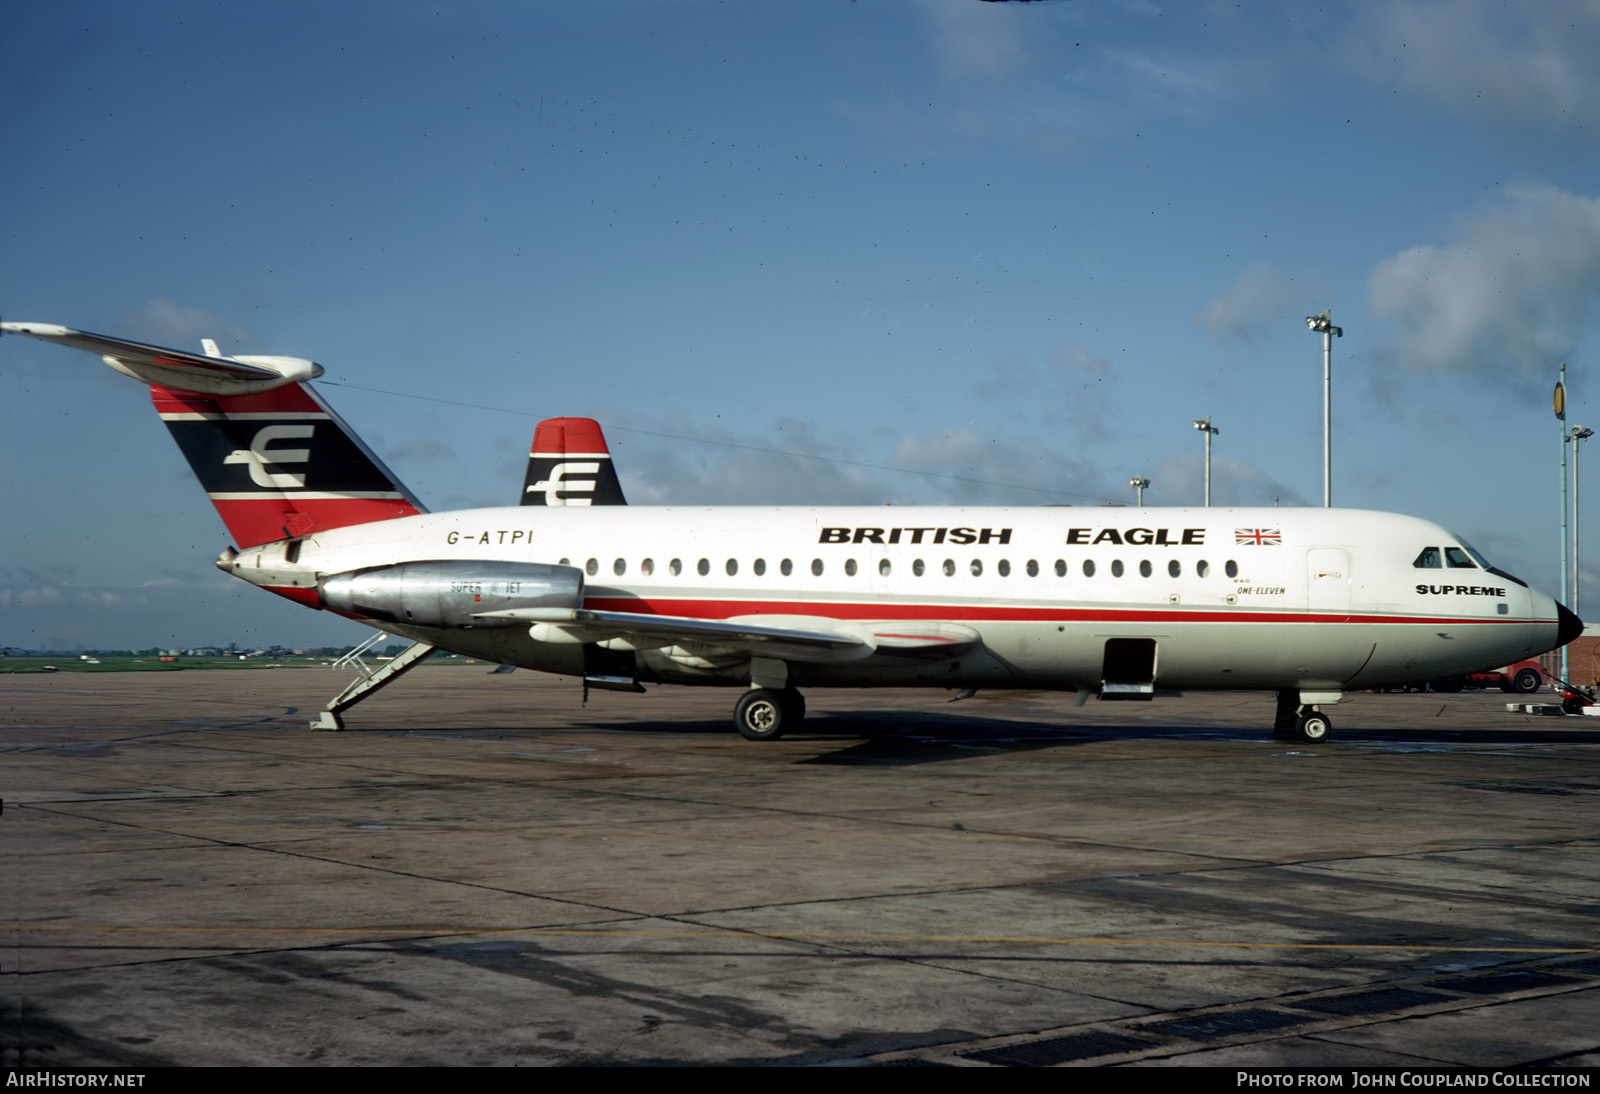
pixel 274 458
pixel 570 465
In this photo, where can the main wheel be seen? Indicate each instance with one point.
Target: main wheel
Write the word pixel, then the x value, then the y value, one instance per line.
pixel 762 715
pixel 1313 728
pixel 1527 681
pixel 794 706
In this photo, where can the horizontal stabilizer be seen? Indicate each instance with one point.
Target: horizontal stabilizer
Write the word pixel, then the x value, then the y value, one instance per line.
pixel 175 368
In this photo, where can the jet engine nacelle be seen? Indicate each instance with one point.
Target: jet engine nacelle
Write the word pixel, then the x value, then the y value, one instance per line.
pixel 452 592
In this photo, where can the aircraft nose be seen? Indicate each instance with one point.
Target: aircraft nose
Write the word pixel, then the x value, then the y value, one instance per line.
pixel 1568 626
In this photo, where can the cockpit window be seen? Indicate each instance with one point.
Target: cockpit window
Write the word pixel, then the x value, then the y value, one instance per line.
pixel 1477 556
pixel 1428 559
pixel 1458 560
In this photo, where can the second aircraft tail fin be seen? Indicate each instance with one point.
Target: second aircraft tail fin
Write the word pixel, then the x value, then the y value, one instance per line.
pixel 570 465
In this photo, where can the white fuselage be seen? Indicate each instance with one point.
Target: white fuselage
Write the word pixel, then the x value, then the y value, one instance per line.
pixel 1213 598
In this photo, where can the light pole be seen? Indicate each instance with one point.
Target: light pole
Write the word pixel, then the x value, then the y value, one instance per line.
pixel 1560 401
pixel 1204 424
pixel 1579 435
pixel 1138 485
pixel 1322 323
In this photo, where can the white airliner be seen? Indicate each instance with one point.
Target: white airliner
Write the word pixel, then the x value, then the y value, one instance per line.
pixel 1113 602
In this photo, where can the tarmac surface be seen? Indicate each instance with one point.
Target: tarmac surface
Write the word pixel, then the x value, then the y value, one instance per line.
pixel 484 870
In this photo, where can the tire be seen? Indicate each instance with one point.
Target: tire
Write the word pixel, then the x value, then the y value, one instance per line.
pixel 794 707
pixel 762 715
pixel 1313 728
pixel 1527 681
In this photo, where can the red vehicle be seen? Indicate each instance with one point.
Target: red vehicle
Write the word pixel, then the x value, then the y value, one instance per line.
pixel 1525 677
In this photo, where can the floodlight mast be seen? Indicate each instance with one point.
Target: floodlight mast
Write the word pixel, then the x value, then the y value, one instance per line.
pixel 1322 323
pixel 1204 424
pixel 1560 401
pixel 1579 435
pixel 1138 485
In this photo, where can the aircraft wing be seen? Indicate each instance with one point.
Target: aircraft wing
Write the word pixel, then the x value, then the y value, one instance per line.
pixel 793 638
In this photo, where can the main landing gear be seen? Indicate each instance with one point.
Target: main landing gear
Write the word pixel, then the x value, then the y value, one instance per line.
pixel 765 714
pixel 1298 718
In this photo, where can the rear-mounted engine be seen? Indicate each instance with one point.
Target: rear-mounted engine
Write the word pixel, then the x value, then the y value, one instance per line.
pixel 453 592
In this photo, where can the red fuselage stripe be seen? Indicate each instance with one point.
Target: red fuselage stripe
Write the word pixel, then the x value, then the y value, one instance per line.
pixel 727 609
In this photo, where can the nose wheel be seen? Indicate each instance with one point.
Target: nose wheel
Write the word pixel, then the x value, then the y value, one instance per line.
pixel 765 714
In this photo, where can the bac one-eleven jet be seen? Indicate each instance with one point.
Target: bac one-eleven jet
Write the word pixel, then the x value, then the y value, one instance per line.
pixel 1113 602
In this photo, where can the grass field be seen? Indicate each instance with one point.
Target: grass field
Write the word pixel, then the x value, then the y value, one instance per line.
pixel 73 663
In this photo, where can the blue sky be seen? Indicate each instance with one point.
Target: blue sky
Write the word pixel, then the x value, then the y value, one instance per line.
pixel 789 252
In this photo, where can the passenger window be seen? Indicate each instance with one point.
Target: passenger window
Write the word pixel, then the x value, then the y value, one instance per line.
pixel 1116 567
pixel 591 567
pixel 1174 568
pixel 883 567
pixel 1145 568
pixel 1088 567
pixel 703 566
pixel 949 567
pixel 1061 568
pixel 786 567
pixel 1203 568
pixel 849 567
pixel 733 566
pixel 760 566
pixel 1033 567
pixel 917 567
pixel 647 567
pixel 1231 569
pixel 1004 567
pixel 977 567
pixel 619 567
pixel 816 567
pixel 1457 559
pixel 566 562
pixel 1428 559
pixel 676 566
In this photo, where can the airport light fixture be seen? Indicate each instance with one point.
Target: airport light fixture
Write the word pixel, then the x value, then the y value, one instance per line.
pixel 1204 424
pixel 1579 435
pixel 1322 323
pixel 1560 407
pixel 1138 485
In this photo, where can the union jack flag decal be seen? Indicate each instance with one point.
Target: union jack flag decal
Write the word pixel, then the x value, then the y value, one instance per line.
pixel 1258 537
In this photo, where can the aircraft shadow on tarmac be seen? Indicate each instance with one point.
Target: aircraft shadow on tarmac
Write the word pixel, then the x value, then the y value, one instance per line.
pixel 905 737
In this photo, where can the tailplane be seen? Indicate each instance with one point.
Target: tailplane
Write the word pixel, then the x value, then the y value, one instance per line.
pixel 275 460
pixel 570 465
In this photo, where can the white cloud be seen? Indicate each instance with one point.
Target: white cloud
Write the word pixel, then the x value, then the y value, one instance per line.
pixel 1508 293
pixel 1180 480
pixel 1517 61
pixel 1074 387
pixel 1261 298
pixel 180 327
pixel 976 40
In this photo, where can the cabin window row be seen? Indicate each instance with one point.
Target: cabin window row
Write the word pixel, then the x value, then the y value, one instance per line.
pixel 949 568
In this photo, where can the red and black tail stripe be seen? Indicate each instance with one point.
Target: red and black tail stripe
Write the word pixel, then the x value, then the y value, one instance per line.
pixel 280 464
pixel 570 465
